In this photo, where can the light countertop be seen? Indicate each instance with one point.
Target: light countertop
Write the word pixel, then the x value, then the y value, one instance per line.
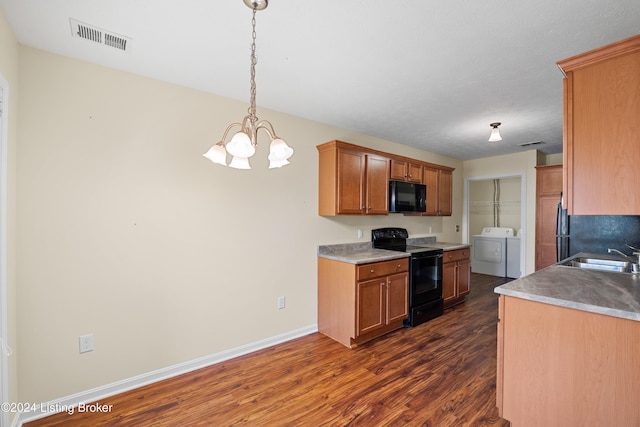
pixel 362 253
pixel 602 292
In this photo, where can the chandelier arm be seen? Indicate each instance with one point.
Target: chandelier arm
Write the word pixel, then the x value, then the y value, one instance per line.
pixel 226 132
pixel 267 127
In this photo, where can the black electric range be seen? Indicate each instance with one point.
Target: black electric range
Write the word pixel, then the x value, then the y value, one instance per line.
pixel 425 273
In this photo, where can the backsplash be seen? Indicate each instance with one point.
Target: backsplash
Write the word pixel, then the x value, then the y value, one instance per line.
pixel 597 233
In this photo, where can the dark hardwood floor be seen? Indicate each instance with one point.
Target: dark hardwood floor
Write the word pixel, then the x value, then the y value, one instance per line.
pixel 440 373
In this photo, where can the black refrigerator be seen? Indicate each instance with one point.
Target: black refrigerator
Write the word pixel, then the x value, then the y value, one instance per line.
pixel 595 233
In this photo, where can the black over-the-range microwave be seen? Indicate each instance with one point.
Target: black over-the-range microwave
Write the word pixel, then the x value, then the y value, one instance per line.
pixel 407 197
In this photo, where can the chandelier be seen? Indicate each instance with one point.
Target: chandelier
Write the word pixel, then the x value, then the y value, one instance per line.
pixel 244 142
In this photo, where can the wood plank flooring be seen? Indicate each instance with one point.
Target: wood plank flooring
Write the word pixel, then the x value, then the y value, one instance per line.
pixel 440 373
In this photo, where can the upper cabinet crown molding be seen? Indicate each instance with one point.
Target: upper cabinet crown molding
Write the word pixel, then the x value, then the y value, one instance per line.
pixel 622 47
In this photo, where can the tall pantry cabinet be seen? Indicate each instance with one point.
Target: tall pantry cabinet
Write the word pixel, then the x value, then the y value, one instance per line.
pixel 601 151
pixel 548 194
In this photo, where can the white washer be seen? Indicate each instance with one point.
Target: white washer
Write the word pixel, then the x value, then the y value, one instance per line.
pixel 489 251
pixel 513 257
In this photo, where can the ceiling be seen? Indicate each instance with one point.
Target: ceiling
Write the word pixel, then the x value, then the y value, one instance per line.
pixel 424 73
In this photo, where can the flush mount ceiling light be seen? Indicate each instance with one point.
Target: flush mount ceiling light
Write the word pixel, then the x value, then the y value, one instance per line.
pixel 244 142
pixel 495 132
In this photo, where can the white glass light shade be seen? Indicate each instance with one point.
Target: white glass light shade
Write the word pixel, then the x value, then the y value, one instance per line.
pixel 278 163
pixel 240 163
pixel 241 146
pixel 279 152
pixel 217 154
pixel 495 135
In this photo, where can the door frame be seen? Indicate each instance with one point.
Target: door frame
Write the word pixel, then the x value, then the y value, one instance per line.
pixel 5 350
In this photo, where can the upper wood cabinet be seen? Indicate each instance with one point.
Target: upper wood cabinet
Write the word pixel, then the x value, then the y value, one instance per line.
pixel 439 182
pixel 352 182
pixel 548 193
pixel 403 170
pixel 601 132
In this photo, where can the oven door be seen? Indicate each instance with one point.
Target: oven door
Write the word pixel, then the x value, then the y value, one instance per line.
pixel 426 278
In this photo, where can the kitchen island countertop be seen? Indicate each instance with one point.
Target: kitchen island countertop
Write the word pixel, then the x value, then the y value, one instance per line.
pixel 601 292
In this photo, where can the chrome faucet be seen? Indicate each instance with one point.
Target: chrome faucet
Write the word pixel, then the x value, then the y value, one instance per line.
pixel 609 250
pixel 635 264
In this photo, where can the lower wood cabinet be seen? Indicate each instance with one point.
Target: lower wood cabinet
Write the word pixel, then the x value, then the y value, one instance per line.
pixel 360 302
pixel 559 366
pixel 456 276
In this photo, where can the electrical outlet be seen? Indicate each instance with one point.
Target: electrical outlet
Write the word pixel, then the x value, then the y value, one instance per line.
pixel 359 233
pixel 86 343
pixel 457 228
pixel 281 303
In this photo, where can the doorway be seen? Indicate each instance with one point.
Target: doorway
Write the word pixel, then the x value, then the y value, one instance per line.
pixel 496 201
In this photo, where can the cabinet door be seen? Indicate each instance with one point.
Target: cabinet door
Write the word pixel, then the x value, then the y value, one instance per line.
pixel 414 173
pixel 430 178
pixel 403 170
pixel 351 173
pixel 370 305
pixel 398 170
pixel 464 277
pixel 448 281
pixel 377 191
pixel 445 182
pixel 602 137
pixel 439 191
pixel 546 207
pixel 397 297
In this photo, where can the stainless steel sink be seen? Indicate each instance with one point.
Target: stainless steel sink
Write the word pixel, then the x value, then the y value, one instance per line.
pixel 600 264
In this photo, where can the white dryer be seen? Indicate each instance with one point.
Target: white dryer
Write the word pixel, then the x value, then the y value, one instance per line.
pixel 489 251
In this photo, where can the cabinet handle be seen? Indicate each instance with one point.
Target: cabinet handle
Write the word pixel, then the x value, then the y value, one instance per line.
pixel 372 270
pixel 399 265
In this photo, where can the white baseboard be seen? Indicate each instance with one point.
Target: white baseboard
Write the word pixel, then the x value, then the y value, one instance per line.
pixel 94 395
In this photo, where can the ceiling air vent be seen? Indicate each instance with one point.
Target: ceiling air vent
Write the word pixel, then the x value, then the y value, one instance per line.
pixel 528 144
pixel 98 35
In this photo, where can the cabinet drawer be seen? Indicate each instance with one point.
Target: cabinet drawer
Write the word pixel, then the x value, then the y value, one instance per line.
pixel 378 269
pixel 457 255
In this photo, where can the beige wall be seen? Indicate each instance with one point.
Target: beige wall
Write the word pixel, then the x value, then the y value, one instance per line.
pixel 9 51
pixel 128 233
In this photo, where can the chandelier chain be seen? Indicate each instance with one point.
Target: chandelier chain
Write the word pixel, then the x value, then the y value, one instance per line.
pixel 252 101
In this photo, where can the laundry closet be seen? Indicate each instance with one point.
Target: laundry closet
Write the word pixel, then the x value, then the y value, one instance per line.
pixel 494 226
